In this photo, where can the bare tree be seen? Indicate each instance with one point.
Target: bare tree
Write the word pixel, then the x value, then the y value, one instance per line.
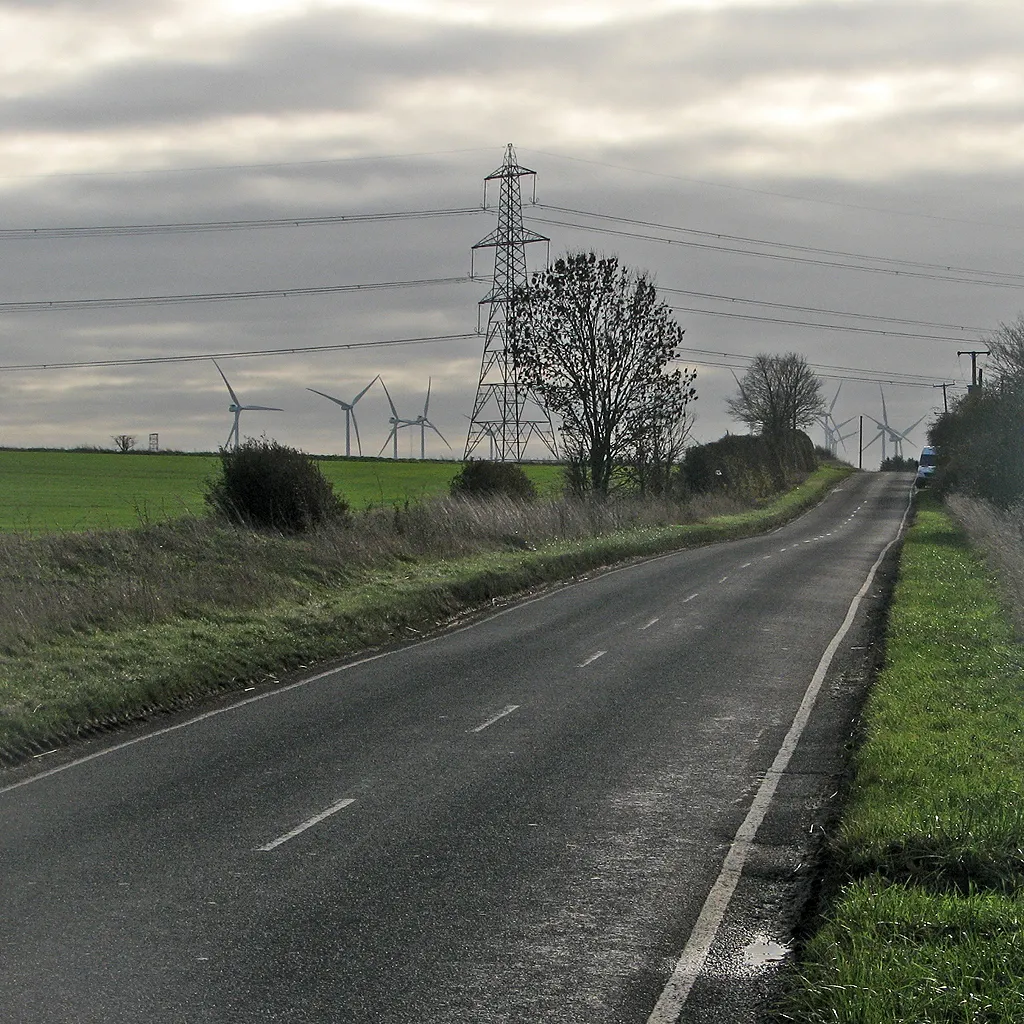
pixel 124 442
pixel 777 394
pixel 1006 349
pixel 593 341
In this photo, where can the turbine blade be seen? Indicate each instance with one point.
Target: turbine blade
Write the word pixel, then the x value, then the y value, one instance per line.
pixel 426 404
pixel 231 390
pixel 912 425
pixel 438 432
pixel 323 394
pixel 394 432
pixel 394 411
pixel 262 408
pixel 355 427
pixel 367 388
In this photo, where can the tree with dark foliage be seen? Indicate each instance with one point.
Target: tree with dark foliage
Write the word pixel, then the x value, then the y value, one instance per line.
pixel 592 340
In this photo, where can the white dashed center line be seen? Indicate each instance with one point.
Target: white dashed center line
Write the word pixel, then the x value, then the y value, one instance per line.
pixel 308 823
pixel 647 625
pixel 687 600
pixel 498 717
pixel 592 658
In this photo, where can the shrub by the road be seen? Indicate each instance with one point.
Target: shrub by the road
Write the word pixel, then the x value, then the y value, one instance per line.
pixel 268 485
pixel 483 478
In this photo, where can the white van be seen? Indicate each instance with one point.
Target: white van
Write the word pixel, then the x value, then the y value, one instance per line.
pixel 925 466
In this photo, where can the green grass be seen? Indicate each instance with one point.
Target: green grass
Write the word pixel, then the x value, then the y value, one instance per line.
pixel 303 604
pixel 926 923
pixel 55 490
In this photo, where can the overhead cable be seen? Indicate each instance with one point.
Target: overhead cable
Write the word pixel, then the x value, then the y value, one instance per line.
pixel 189 227
pixel 803 323
pixel 621 233
pixel 782 245
pixel 269 293
pixel 817 309
pixel 245 353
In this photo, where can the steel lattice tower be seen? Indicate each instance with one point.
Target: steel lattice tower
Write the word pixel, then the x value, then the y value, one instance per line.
pixel 504 411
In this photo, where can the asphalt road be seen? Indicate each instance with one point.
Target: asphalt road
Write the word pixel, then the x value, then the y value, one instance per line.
pixel 520 820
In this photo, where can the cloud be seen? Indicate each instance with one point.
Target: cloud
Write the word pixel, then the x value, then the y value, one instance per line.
pixel 908 107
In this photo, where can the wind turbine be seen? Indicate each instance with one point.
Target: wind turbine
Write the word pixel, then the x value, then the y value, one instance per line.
pixel 397 422
pixel 423 423
pixel 350 414
pixel 489 432
pixel 834 436
pixel 887 432
pixel 237 408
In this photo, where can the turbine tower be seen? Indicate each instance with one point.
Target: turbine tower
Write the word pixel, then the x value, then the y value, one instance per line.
pixel 422 422
pixel 237 408
pixel 397 422
pixel 504 410
pixel 350 415
pixel 890 433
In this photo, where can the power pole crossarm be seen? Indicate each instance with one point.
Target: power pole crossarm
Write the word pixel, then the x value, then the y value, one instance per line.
pixel 975 374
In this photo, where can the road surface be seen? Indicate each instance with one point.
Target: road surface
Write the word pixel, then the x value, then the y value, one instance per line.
pixel 574 809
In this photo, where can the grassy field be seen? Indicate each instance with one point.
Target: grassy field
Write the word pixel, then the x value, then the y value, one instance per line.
pixel 57 490
pixel 926 925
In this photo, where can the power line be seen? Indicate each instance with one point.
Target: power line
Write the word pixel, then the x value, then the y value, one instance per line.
pixel 185 227
pixel 829 370
pixel 782 245
pixel 776 195
pixel 245 353
pixel 816 309
pixel 804 323
pixel 775 256
pixel 163 300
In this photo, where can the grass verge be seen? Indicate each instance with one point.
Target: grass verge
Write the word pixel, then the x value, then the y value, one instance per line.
pixel 926 924
pixel 56 687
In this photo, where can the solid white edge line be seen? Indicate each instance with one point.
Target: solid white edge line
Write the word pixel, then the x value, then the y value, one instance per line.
pixel 498 717
pixel 691 961
pixel 308 823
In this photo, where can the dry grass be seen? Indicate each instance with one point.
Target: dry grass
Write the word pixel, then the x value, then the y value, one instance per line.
pixel 102 580
pixel 999 535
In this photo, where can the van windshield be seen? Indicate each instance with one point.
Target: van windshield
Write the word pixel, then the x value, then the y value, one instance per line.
pixel 927 459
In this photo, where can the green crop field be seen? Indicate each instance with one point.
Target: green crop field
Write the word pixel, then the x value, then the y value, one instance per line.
pixel 42 491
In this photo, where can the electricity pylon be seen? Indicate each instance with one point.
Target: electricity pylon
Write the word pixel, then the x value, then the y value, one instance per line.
pixel 505 412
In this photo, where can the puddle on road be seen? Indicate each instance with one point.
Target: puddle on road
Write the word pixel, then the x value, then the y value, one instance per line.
pixel 763 952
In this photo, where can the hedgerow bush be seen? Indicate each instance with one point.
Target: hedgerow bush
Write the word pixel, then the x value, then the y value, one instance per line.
pixel 750 467
pixel 266 485
pixel 483 478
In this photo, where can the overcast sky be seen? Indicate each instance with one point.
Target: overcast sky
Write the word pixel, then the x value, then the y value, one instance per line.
pixel 886 135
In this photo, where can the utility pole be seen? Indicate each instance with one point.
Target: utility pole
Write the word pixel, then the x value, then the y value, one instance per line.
pixel 945 403
pixel 506 412
pixel 975 373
